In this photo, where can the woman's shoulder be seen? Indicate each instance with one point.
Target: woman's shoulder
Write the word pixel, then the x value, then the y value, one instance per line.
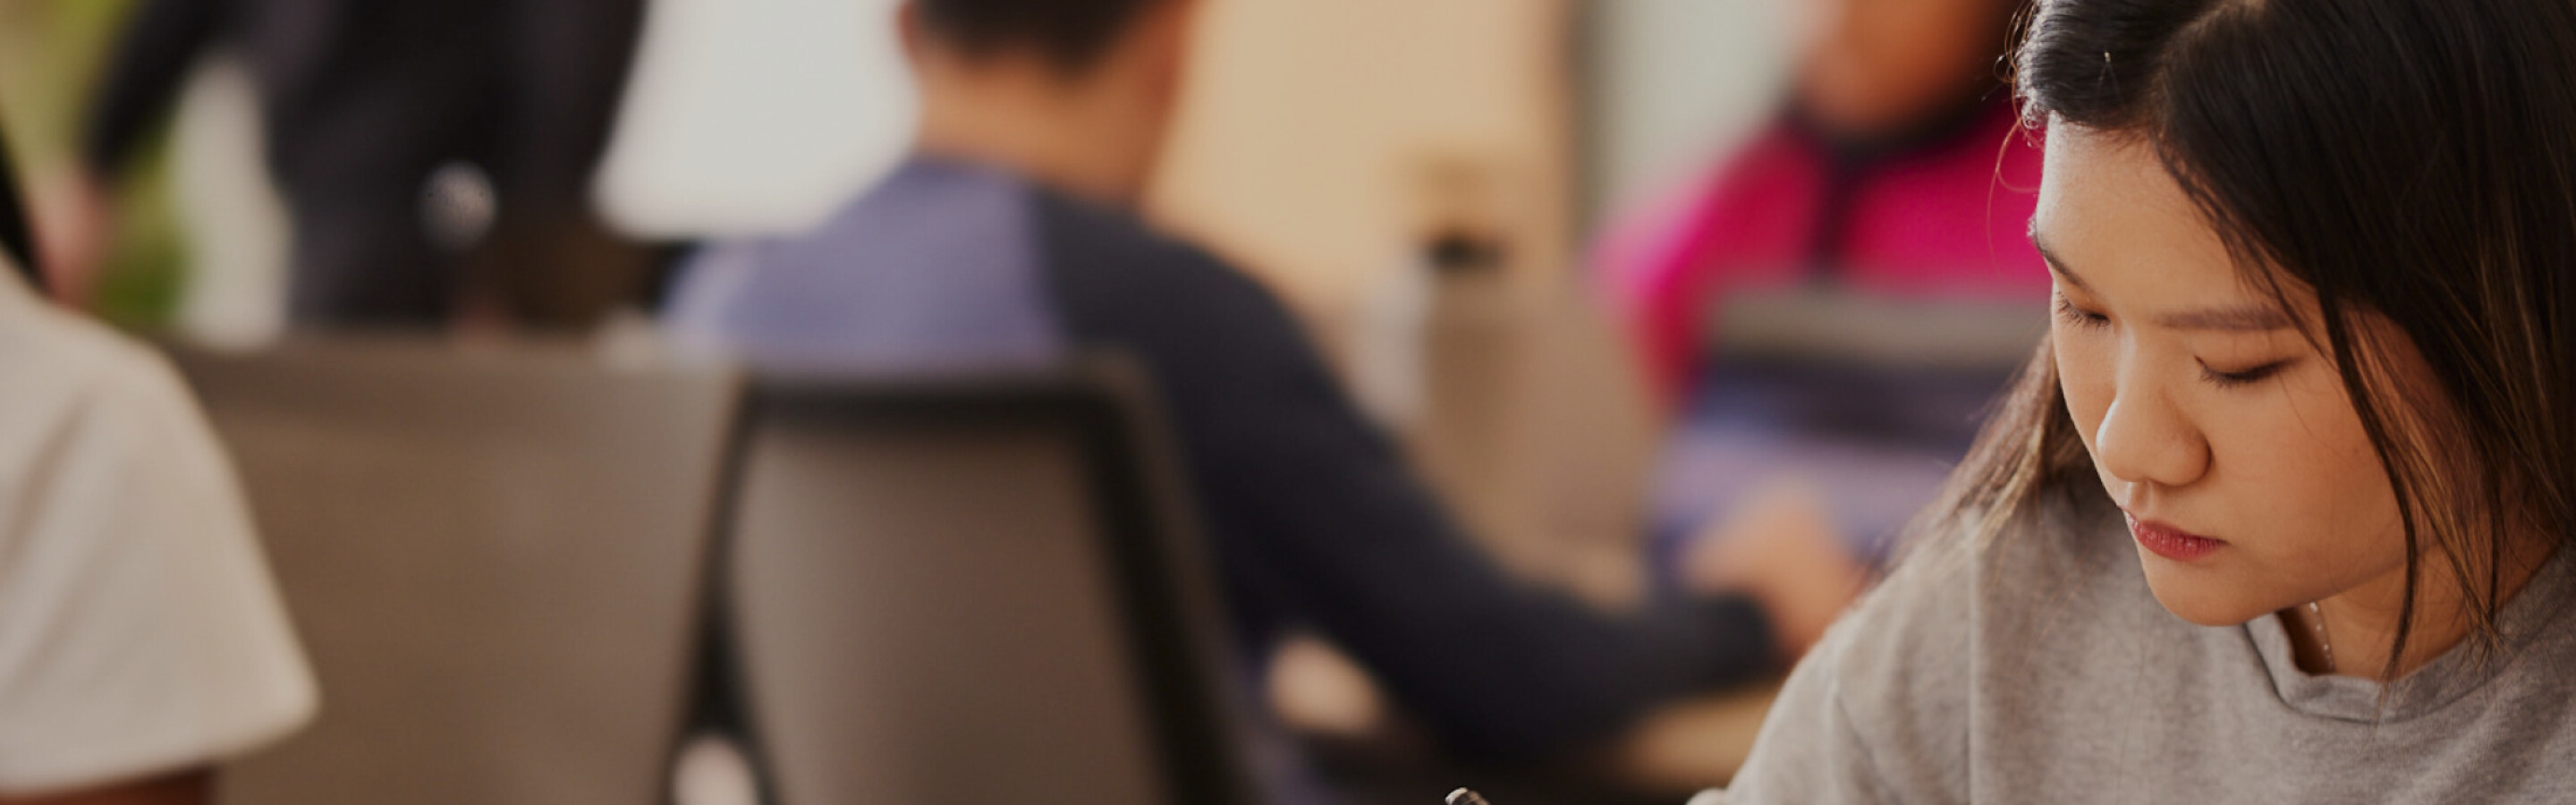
pixel 1908 652
pixel 1956 578
pixel 1884 703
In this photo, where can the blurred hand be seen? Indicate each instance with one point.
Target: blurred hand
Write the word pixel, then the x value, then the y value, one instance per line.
pixel 75 222
pixel 1779 546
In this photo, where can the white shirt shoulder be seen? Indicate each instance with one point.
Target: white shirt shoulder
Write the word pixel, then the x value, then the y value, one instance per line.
pixel 140 632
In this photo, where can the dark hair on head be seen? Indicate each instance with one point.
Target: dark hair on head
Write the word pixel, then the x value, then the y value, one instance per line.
pixel 1072 33
pixel 17 241
pixel 2409 161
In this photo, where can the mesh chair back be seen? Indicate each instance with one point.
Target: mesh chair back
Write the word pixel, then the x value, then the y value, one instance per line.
pixel 973 592
pixel 495 560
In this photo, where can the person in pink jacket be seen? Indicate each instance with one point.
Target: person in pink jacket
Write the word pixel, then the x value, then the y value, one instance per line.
pixel 1894 183
pixel 1898 166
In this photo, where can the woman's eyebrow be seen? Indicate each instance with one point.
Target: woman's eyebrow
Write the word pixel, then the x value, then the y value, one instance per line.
pixel 2240 318
pixel 2050 257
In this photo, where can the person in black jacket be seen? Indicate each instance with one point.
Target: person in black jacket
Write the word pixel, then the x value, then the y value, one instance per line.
pixel 435 155
pixel 1009 239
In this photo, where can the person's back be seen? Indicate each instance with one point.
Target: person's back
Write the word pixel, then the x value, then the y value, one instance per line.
pixel 939 267
pixel 1004 244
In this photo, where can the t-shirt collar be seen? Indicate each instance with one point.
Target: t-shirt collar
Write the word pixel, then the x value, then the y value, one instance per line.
pixel 2528 619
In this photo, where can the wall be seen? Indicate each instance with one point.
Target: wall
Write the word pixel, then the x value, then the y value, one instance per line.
pixel 1673 84
pixel 1322 140
pixel 1310 125
pixel 755 116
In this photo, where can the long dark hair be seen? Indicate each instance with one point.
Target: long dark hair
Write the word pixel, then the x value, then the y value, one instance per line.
pixel 16 240
pixel 1075 33
pixel 2413 160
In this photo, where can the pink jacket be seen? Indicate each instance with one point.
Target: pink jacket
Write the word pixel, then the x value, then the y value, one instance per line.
pixel 1946 219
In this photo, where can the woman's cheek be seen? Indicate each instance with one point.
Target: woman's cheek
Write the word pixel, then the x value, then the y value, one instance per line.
pixel 2297 469
pixel 2085 377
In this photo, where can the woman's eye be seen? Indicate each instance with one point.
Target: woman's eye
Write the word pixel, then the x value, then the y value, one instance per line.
pixel 2079 317
pixel 2242 377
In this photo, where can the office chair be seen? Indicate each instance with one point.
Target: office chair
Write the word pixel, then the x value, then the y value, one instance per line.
pixel 974 591
pixel 495 559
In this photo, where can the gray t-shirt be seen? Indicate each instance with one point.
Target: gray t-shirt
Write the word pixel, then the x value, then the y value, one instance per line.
pixel 2041 670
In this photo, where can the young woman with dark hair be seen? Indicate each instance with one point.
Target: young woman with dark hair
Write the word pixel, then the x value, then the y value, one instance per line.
pixel 2277 513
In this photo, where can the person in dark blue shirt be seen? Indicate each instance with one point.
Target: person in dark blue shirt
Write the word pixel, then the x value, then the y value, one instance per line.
pixel 1008 239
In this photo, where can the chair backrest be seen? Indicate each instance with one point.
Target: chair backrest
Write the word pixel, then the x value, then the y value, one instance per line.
pixel 1828 325
pixel 974 592
pixel 496 560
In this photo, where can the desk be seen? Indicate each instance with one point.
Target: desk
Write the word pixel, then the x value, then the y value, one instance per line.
pixel 1693 744
pixel 1675 750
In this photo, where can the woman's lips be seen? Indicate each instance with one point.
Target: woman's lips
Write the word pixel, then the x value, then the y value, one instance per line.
pixel 2172 543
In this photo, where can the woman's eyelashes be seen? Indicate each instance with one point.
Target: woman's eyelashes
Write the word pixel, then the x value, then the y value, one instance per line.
pixel 2068 312
pixel 2242 377
pixel 2077 316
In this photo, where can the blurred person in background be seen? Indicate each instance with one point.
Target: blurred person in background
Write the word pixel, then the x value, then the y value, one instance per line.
pixel 1010 237
pixel 435 155
pixel 141 640
pixel 1829 310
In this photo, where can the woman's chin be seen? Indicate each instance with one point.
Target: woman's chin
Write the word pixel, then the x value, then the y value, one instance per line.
pixel 2203 598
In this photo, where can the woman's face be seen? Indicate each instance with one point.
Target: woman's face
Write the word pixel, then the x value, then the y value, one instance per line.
pixel 2249 483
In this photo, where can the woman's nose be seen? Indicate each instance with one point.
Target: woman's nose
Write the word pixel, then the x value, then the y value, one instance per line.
pixel 2144 438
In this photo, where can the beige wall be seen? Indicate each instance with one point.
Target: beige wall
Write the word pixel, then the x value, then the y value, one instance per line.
pixel 1309 141
pixel 1308 123
pixel 1679 83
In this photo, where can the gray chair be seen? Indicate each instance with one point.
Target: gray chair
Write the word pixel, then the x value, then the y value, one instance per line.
pixel 495 558
pixel 974 592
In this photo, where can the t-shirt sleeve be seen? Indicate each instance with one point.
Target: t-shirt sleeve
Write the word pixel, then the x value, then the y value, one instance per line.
pixel 139 629
pixel 1878 712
